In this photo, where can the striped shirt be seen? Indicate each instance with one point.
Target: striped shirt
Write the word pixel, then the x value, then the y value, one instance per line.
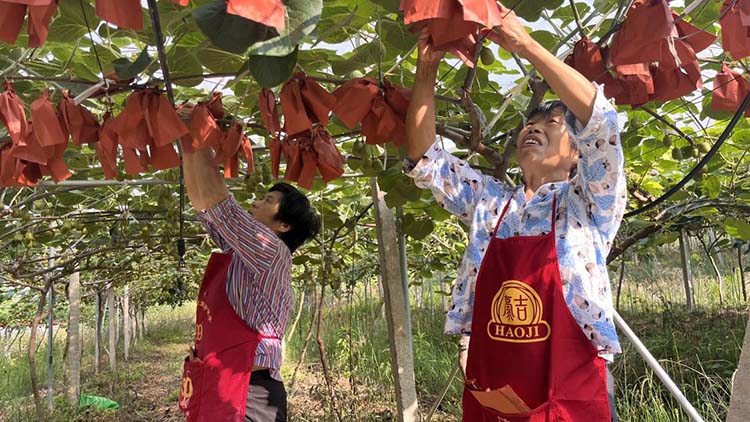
pixel 259 284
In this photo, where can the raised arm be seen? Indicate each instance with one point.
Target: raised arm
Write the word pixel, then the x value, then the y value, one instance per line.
pixel 574 90
pixel 420 118
pixel 228 224
pixel 205 186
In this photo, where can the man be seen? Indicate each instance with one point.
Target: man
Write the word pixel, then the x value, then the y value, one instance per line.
pixel 245 297
pixel 533 291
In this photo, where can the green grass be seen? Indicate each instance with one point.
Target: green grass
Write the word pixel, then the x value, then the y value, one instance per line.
pixel 699 349
pixel 168 334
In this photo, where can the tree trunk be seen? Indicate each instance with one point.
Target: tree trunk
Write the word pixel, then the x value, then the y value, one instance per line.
pixel 719 278
pixel 97 330
pixel 50 335
pixel 687 275
pixel 352 383
pixel 32 351
pixel 742 273
pixel 134 324
pixel 290 332
pixel 74 342
pixel 301 359
pixel 717 272
pixel 111 304
pixel 322 350
pixel 622 276
pixel 126 322
pixel 142 327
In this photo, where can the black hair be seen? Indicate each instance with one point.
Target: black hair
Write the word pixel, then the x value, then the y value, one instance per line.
pixel 545 109
pixel 296 211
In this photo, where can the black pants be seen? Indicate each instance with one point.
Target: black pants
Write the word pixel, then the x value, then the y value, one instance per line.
pixel 266 399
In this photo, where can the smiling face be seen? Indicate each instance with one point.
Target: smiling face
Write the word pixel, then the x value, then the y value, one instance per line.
pixel 544 145
pixel 265 209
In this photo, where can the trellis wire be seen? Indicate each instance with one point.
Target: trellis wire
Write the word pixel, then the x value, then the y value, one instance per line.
pixel 699 166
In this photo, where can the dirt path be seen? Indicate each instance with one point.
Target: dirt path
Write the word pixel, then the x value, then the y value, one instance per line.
pixel 146 387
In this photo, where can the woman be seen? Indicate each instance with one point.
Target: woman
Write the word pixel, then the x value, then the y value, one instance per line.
pixel 245 298
pixel 533 290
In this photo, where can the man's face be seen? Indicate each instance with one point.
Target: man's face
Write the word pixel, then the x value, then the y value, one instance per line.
pixel 544 144
pixel 264 210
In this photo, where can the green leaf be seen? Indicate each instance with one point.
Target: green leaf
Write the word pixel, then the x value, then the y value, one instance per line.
pixel 389 5
pixel 737 228
pixel 545 38
pixel 397 35
pixel 182 63
pixel 363 56
pixel 741 137
pixel 417 228
pixel 302 17
pixel 270 71
pixel 531 10
pixel 711 186
pixel 706 15
pixel 219 61
pixel 229 32
pixel 394 199
pixel 125 69
pixel 70 25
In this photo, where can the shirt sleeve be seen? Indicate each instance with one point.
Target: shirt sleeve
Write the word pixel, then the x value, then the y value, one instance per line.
pixel 455 185
pixel 238 231
pixel 600 179
pixel 214 234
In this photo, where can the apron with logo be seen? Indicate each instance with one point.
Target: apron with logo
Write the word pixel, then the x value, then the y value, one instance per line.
pixel 524 338
pixel 215 385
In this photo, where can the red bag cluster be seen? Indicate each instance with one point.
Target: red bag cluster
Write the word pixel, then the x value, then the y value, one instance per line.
pixel 303 141
pixel 37 145
pixel 453 25
pixel 144 130
pixel 652 56
pixel 730 88
pixel 735 28
pixel 227 143
pixel 382 112
pixel 13 15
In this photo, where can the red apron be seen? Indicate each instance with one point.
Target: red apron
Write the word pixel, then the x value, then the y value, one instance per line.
pixel 214 388
pixel 523 335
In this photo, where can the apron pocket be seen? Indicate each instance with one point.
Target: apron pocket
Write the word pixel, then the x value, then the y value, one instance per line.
pixel 190 390
pixel 504 405
pixel 540 413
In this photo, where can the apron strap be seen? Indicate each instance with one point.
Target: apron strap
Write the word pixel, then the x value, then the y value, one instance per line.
pixel 554 214
pixel 505 210
pixel 502 214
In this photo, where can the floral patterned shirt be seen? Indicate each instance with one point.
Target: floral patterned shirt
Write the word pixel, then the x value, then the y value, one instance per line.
pixel 590 205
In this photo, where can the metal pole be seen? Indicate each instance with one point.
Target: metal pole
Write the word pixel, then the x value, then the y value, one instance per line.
pixel 50 336
pixel 98 183
pixel 447 387
pixel 143 182
pixel 97 330
pixel 660 372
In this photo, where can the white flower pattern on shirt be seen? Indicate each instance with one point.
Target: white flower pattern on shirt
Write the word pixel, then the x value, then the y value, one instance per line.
pixel 590 209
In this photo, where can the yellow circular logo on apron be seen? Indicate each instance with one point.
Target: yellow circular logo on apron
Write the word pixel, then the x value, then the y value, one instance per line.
pixel 517 315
